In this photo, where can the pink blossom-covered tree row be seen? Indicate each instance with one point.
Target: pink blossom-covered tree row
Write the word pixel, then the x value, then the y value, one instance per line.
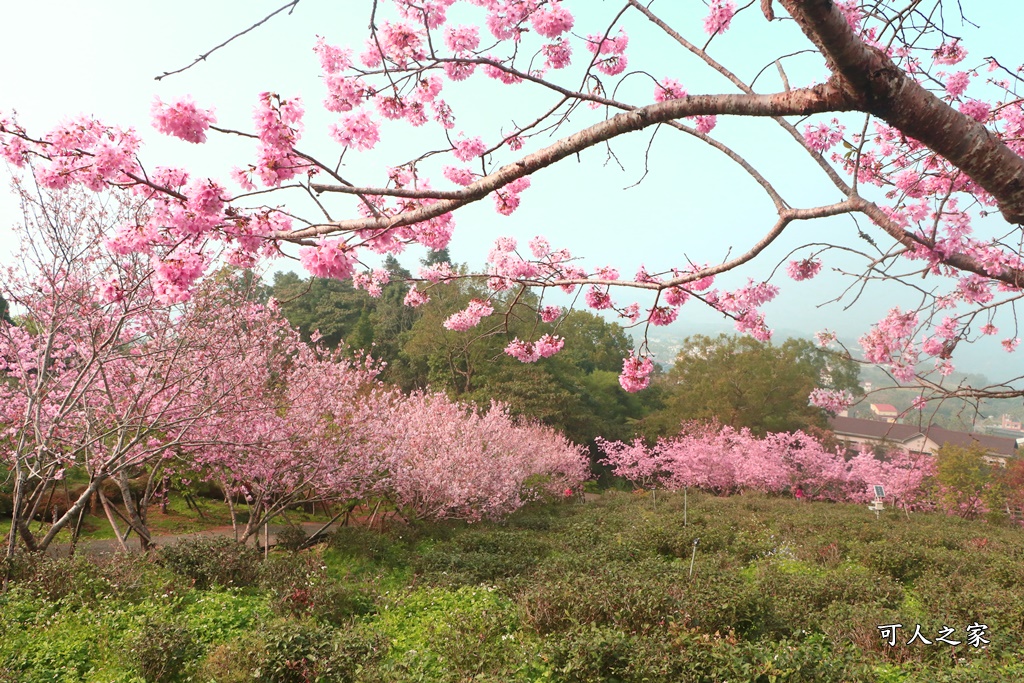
pixel 916 138
pixel 725 460
pixel 100 376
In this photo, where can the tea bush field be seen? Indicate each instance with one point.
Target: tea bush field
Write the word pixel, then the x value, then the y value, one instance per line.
pixel 744 588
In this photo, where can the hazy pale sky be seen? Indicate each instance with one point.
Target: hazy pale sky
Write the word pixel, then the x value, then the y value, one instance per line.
pixel 66 57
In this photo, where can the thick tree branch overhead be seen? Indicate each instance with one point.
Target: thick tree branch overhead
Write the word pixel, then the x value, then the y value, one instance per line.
pixel 817 99
pixel 882 89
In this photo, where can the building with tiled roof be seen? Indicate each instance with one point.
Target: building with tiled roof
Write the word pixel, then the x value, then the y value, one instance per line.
pixel 855 432
pixel 885 411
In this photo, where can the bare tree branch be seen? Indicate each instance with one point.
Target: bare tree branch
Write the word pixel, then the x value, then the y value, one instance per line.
pixel 202 58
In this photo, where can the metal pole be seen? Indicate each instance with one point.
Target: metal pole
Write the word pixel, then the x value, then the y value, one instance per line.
pixel 694 556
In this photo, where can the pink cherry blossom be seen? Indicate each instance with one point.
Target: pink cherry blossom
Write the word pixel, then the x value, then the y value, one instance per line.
pixel 557 55
pixel 462 39
pixel 676 296
pixel 976 109
pixel 470 316
pixel 706 124
pixel 415 297
pixel 662 315
pixel 506 200
pixel 636 373
pixel 598 298
pixel 552 21
pixel 467 149
pixel 333 59
pixel 183 119
pixel 803 270
pixel 548 345
pixel 949 53
pixel 357 130
pixel 668 89
pixel 719 16
pixel 525 352
pixel 550 313
pixel 957 83
pixel 823 137
pixel 831 400
pixel 330 258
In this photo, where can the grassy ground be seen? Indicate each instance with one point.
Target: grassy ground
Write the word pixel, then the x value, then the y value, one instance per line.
pixel 747 588
pixel 180 517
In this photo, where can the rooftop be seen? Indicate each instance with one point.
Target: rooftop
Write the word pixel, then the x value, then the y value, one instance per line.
pixel 902 433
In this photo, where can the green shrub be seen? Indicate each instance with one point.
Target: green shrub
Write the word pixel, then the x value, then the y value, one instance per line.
pixel 354 650
pixel 218 616
pixel 481 557
pixel 800 593
pixel 57 579
pixel 213 561
pixel 590 654
pixel 292 538
pixel 363 543
pixel 162 651
pixel 300 586
pixel 898 559
pixel 293 652
pixel 232 662
pixel 632 597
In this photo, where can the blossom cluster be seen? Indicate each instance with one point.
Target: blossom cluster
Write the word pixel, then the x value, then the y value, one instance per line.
pixel 530 352
pixel 470 316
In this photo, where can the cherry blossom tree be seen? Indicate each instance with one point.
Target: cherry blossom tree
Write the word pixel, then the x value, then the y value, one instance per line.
pixel 895 115
pixel 288 423
pixel 101 376
pixel 97 373
pixel 442 459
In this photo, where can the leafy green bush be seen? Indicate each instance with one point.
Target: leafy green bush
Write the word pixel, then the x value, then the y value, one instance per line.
pixel 292 538
pixel 633 597
pixel 56 579
pixel 900 560
pixel 293 652
pixel 231 662
pixel 162 651
pixel 442 635
pixel 590 654
pixel 213 561
pixel 481 557
pixel 363 543
pixel 300 586
pixel 800 593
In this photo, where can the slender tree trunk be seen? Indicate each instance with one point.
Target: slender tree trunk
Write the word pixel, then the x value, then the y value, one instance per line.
pixel 16 511
pixel 134 519
pixel 74 509
pixel 108 508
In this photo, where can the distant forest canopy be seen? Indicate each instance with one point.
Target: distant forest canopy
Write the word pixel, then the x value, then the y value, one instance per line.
pixel 734 379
